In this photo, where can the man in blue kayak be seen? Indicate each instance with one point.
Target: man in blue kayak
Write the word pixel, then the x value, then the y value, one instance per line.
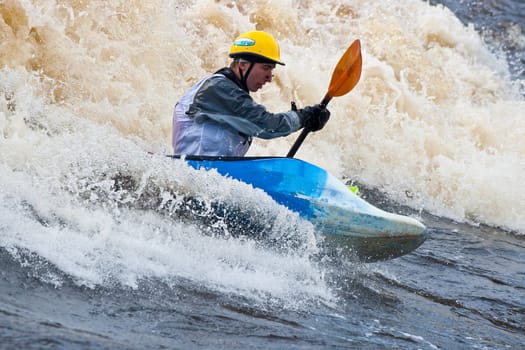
pixel 218 117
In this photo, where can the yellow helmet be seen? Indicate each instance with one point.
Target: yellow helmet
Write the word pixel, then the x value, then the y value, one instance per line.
pixel 256 46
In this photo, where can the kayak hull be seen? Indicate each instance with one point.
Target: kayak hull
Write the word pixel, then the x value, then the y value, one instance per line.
pixel 350 225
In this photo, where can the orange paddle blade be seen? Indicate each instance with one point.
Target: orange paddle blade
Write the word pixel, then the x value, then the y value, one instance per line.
pixel 345 76
pixel 347 72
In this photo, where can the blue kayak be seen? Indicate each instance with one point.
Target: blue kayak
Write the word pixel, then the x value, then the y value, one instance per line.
pixel 350 225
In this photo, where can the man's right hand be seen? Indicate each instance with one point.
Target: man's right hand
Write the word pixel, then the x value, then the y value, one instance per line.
pixel 315 117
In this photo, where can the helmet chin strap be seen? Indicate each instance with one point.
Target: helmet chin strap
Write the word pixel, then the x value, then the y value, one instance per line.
pixel 244 77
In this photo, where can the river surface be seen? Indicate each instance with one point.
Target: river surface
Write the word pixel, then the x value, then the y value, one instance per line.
pixel 96 245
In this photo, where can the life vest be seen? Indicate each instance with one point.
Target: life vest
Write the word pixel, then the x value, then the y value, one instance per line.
pixel 218 117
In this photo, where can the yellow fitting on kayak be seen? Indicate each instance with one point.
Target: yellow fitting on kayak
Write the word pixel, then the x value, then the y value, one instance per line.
pixel 354 189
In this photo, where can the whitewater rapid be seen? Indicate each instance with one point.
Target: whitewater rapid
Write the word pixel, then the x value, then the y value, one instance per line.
pixel 435 122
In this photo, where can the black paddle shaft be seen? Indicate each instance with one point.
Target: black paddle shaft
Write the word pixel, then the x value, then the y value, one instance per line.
pixel 298 143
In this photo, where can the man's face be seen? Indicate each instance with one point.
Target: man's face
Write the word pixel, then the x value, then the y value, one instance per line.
pixel 260 74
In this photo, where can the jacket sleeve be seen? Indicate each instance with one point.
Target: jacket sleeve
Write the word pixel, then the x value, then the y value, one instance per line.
pixel 223 101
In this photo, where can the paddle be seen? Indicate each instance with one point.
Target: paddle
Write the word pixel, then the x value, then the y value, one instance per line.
pixel 345 76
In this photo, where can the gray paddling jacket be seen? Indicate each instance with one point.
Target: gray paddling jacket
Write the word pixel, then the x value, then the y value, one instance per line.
pixel 218 117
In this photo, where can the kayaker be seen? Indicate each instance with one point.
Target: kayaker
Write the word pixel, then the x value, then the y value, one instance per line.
pixel 218 117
